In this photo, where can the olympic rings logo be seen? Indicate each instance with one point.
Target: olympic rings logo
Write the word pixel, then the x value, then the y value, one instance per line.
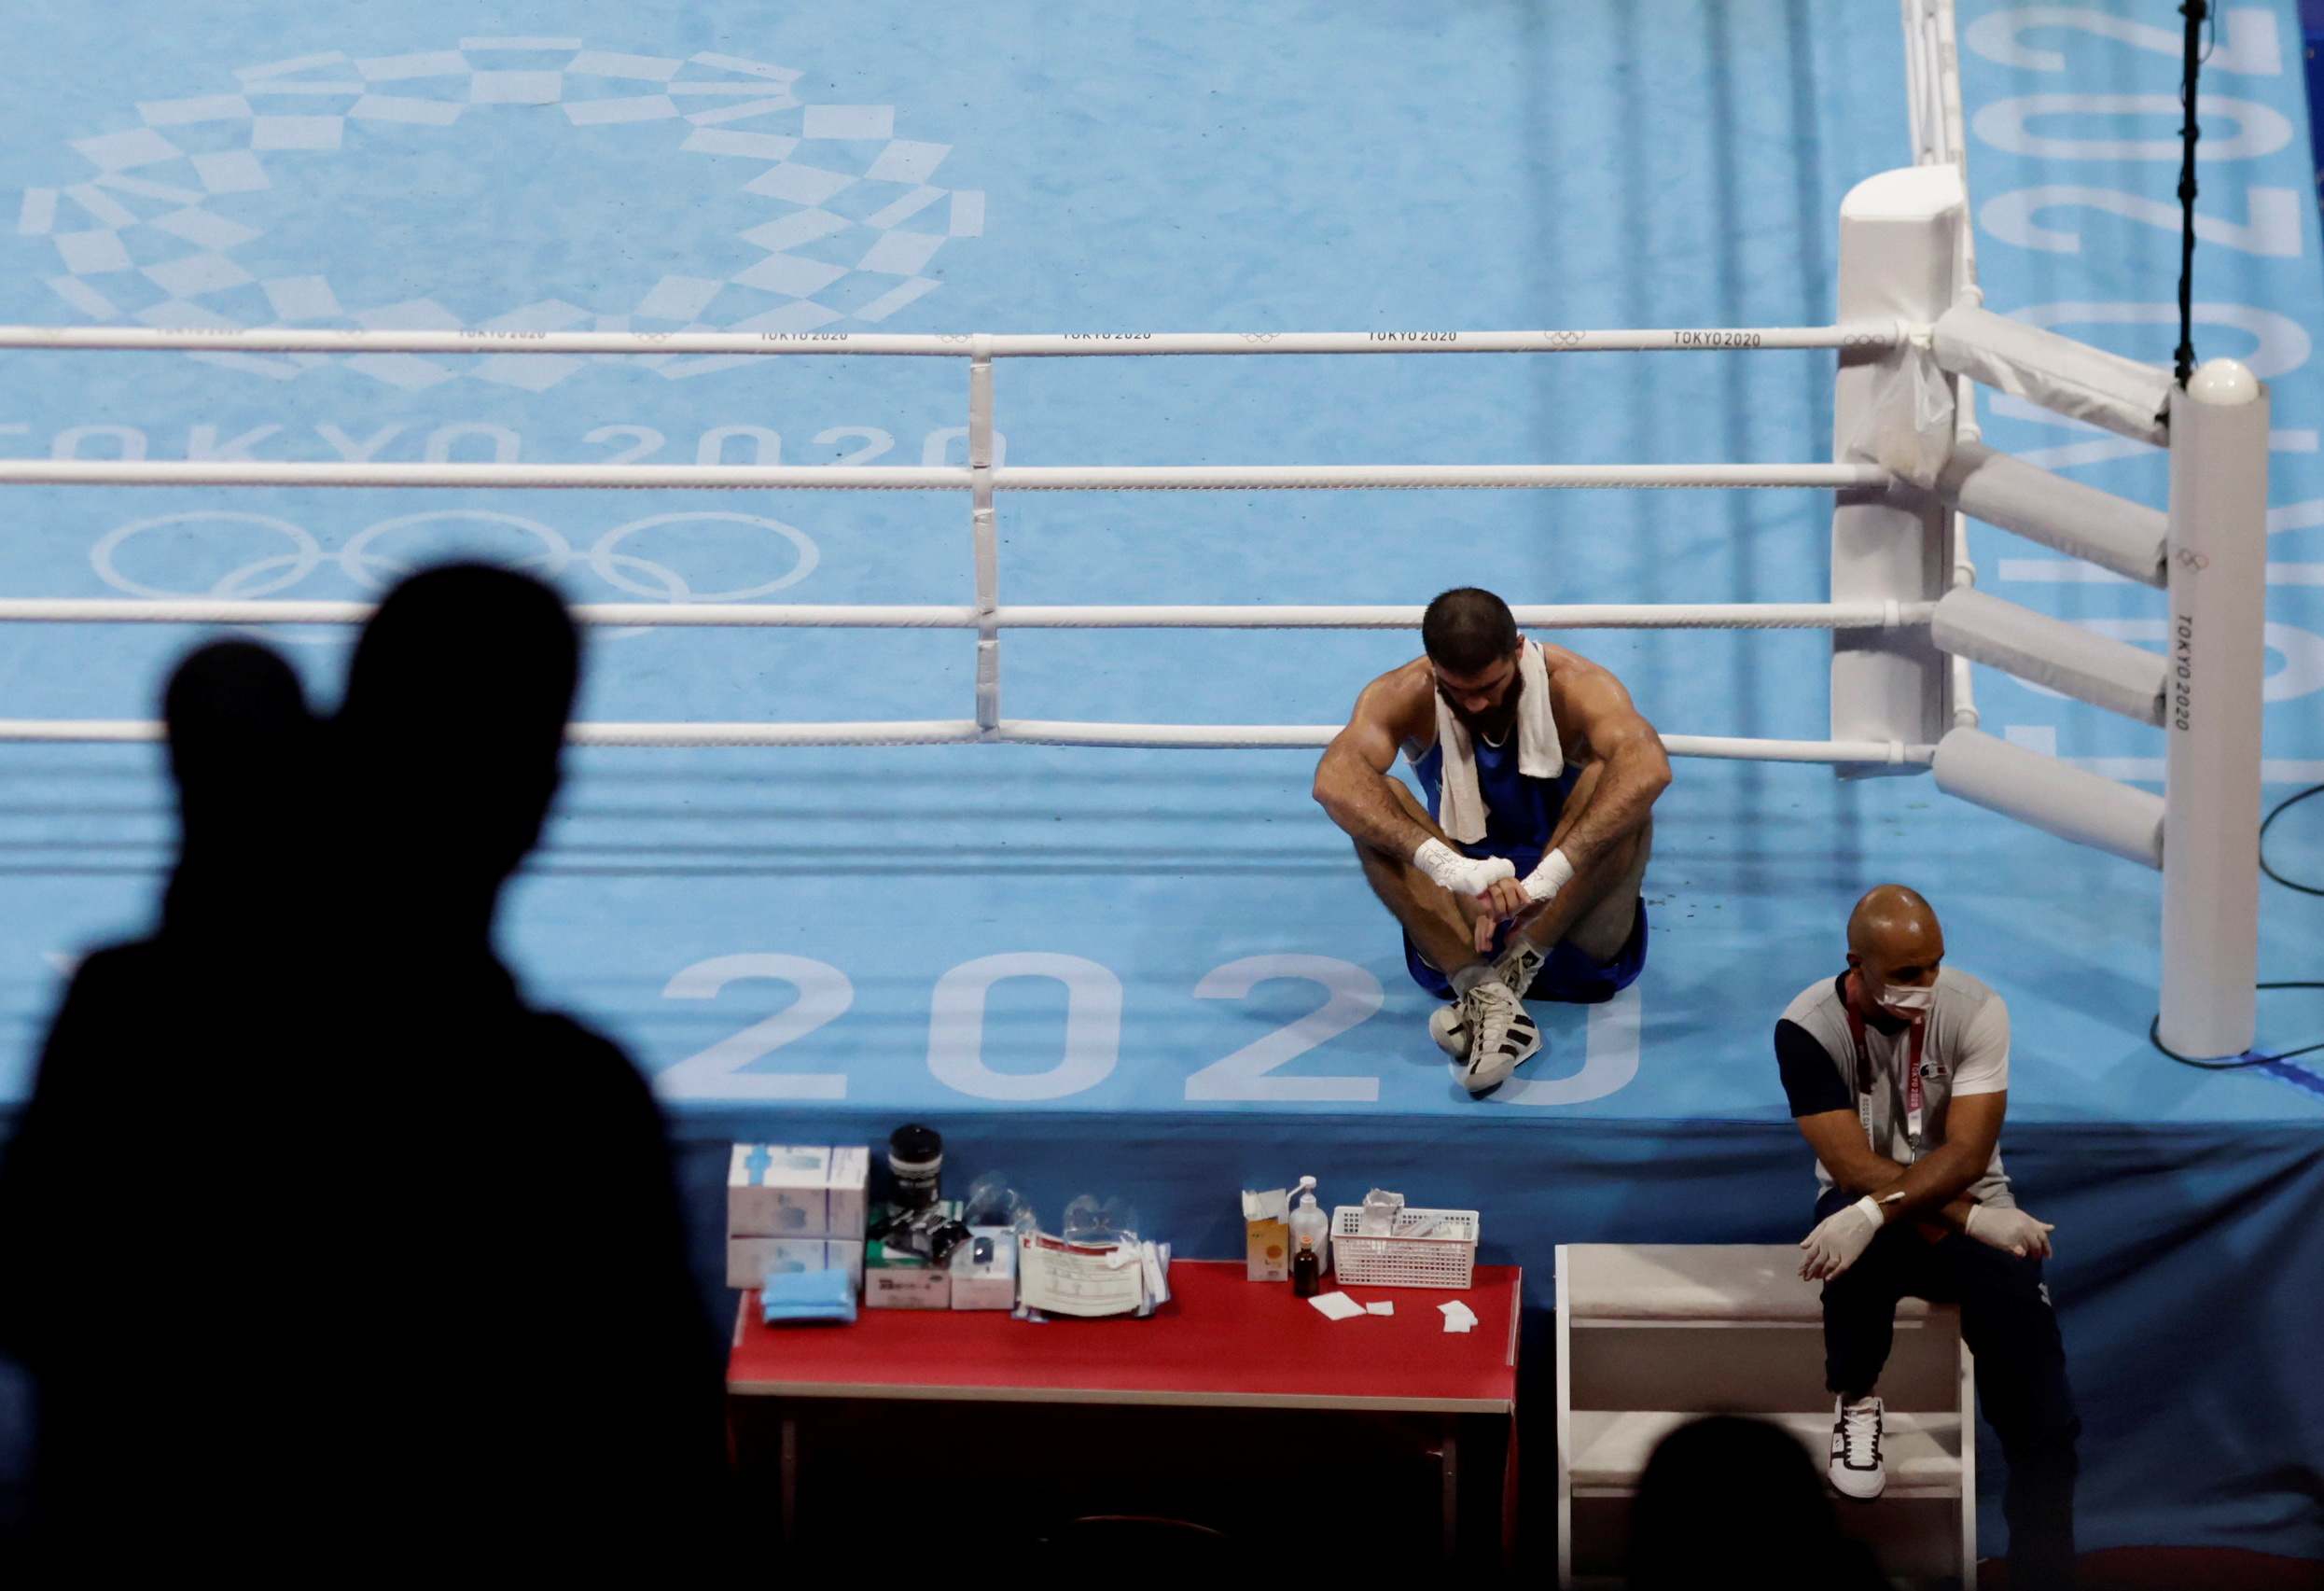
pixel 372 570
pixel 1564 339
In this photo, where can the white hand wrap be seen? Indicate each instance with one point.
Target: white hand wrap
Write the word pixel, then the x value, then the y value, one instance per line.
pixel 1463 875
pixel 2010 1229
pixel 1553 873
pixel 1839 1240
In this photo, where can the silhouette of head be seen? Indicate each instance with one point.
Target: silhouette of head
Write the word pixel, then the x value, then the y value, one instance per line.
pixel 241 743
pixel 1728 1501
pixel 451 732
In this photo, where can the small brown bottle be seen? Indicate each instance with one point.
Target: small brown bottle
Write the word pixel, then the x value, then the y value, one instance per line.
pixel 1306 1271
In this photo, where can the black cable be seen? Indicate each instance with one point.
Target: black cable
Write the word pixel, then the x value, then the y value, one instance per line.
pixel 2154 1028
pixel 2195 11
pixel 2154 1037
pixel 2281 807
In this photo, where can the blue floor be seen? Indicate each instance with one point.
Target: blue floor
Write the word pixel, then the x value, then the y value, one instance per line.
pixel 1196 166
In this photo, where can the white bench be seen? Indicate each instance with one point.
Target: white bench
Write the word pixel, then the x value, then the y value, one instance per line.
pixel 1652 1335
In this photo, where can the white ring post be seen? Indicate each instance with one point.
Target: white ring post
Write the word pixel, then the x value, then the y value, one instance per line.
pixel 1899 233
pixel 2219 613
pixel 987 536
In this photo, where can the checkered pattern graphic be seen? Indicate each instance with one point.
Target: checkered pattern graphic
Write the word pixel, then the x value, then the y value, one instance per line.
pixel 799 159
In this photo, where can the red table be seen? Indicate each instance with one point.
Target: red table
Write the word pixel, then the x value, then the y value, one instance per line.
pixel 1220 1342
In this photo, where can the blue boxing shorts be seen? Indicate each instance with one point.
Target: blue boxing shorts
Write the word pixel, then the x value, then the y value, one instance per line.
pixel 1566 975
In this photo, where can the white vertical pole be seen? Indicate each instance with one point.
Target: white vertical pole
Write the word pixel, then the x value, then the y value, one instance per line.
pixel 987 538
pixel 1899 234
pixel 2218 554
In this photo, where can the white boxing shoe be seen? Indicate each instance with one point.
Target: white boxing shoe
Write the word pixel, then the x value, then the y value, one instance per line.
pixel 1856 1468
pixel 1519 964
pixel 1450 1032
pixel 1488 1032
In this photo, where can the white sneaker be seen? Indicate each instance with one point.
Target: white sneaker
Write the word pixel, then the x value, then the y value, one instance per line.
pixel 1519 963
pixel 1450 1032
pixel 1499 1036
pixel 1857 1469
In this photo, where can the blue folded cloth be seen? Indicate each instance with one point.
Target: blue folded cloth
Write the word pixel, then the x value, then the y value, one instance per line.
pixel 807 1296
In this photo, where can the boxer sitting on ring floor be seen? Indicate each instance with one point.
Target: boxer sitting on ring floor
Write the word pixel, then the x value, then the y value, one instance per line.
pixel 1520 879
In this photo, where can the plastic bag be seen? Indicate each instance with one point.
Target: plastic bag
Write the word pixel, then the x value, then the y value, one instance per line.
pixel 1908 426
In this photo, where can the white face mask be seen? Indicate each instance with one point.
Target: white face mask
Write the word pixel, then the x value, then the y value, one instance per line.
pixel 1909 1003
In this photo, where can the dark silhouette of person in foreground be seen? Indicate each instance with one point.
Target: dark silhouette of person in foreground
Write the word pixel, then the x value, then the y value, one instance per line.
pixel 332 1259
pixel 1733 1501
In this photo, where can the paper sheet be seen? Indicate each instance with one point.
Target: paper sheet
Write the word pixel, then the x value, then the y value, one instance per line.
pixel 1458 1317
pixel 1336 1306
pixel 1381 1306
pixel 1058 1277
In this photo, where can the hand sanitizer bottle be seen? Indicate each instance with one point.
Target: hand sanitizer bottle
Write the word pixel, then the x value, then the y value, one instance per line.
pixel 1309 1226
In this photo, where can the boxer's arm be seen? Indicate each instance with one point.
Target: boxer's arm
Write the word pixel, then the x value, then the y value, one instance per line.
pixel 1634 770
pixel 1627 769
pixel 1352 780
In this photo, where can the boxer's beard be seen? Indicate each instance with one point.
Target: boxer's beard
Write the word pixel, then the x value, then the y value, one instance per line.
pixel 1494 724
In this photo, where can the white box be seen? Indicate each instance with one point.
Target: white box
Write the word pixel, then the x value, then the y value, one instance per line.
pixel 749 1259
pixel 992 1285
pixel 907 1287
pixel 792 1191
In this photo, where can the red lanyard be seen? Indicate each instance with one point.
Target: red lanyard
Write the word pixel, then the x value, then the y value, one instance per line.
pixel 1864 1074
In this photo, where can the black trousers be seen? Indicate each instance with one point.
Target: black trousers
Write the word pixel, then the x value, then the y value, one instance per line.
pixel 2021 1369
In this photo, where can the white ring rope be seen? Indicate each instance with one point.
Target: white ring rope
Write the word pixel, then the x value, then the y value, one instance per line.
pixel 1027 731
pixel 1038 345
pixel 925 477
pixel 843 616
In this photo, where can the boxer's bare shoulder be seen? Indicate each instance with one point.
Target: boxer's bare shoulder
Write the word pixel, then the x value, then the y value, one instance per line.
pixel 1400 706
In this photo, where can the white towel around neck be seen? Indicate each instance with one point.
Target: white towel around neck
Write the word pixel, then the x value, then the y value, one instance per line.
pixel 1539 756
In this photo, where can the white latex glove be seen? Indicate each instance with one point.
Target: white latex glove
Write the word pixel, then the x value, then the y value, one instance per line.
pixel 1463 875
pixel 2011 1228
pixel 1839 1240
pixel 1552 875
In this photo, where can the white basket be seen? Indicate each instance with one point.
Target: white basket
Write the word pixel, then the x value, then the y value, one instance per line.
pixel 1427 1249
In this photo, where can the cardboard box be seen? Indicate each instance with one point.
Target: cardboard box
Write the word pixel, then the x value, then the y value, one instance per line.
pixel 899 1286
pixel 793 1190
pixel 1266 1250
pixel 991 1284
pixel 893 1279
pixel 749 1259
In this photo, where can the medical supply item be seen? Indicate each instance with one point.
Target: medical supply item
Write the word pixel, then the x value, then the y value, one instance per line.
pixel 992 1201
pixel 1090 1220
pixel 1458 1317
pixel 915 1164
pixel 1336 1306
pixel 1267 1235
pixel 807 1296
pixel 984 1269
pixel 796 1203
pixel 1380 1208
pixel 899 1270
pixel 1055 1277
pixel 790 1191
pixel 1423 1248
pixel 1309 1230
pixel 749 1260
pixel 931 1233
pixel 1839 1240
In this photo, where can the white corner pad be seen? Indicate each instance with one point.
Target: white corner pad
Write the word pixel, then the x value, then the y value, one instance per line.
pixel 2051 795
pixel 2070 378
pixel 2087 666
pixel 2079 520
